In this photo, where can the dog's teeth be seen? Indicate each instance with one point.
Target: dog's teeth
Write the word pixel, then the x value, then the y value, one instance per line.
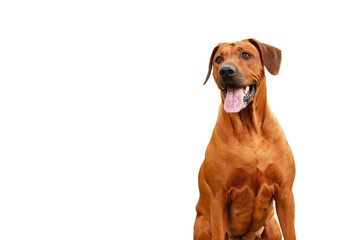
pixel 246 90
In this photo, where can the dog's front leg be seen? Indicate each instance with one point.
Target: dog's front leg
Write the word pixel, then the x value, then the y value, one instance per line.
pixel 285 206
pixel 218 212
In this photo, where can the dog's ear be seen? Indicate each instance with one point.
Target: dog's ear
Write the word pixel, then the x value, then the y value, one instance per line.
pixel 211 63
pixel 271 56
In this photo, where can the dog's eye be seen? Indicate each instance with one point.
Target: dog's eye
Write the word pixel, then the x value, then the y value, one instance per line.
pixel 218 59
pixel 245 55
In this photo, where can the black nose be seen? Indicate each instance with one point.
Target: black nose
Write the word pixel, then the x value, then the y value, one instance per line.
pixel 227 71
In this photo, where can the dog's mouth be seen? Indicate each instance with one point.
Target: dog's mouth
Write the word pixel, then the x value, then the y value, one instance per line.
pixel 237 98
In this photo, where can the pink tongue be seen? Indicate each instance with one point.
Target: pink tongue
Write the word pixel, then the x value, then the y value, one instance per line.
pixel 234 100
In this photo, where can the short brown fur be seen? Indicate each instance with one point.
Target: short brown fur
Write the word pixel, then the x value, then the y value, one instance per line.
pixel 248 163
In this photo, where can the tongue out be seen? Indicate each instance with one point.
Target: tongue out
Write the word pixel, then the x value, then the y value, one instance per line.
pixel 234 100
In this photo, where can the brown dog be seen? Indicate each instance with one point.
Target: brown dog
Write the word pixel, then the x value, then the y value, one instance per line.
pixel 248 163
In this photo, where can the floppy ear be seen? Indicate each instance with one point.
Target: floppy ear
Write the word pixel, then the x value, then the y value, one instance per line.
pixel 270 56
pixel 211 63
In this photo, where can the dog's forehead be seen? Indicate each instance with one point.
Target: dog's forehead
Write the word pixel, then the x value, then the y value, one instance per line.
pixel 230 48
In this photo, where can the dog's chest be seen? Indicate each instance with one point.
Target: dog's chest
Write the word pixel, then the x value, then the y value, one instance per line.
pixel 239 165
pixel 251 166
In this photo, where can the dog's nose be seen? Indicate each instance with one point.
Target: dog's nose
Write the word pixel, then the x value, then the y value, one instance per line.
pixel 227 71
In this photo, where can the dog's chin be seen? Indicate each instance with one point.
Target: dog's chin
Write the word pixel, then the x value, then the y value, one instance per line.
pixel 237 98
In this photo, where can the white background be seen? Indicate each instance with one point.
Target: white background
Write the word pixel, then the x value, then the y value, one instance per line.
pixel 104 119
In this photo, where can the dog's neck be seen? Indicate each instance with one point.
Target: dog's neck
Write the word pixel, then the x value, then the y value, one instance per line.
pixel 249 120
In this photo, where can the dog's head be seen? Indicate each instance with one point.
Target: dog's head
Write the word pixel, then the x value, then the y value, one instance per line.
pixel 238 70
